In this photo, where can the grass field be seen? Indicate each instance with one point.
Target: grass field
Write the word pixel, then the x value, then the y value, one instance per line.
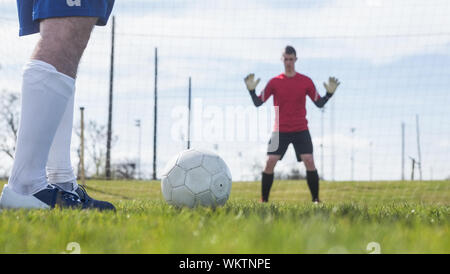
pixel 396 217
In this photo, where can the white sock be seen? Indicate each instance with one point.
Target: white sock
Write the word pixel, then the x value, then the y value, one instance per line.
pixel 59 165
pixel 45 94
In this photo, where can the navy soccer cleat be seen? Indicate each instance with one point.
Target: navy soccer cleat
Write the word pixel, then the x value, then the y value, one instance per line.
pixel 91 203
pixel 51 197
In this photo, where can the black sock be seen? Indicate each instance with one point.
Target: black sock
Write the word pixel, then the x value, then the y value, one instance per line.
pixel 312 177
pixel 266 184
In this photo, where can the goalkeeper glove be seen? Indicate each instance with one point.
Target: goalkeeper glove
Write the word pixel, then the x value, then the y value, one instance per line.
pixel 250 82
pixel 332 85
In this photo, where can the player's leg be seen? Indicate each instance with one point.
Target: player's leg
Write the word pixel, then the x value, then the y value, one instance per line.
pixel 59 165
pixel 267 176
pixel 271 162
pixel 47 91
pixel 276 149
pixel 312 177
pixel 304 150
pixel 69 52
pixel 308 160
pixel 48 84
pixel 63 41
pixel 65 56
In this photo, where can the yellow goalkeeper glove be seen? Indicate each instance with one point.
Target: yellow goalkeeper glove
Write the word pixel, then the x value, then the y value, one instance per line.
pixel 250 82
pixel 332 85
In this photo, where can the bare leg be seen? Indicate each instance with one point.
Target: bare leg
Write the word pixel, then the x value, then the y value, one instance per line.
pixel 66 57
pixel 55 60
pixel 271 163
pixel 308 160
pixel 63 41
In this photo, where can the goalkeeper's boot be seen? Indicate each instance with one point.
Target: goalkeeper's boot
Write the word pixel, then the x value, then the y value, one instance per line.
pixel 316 201
pixel 92 203
pixel 48 198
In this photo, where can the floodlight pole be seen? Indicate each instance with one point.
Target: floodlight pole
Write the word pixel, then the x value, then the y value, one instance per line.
pixel 412 169
pixel 321 145
pixel 371 161
pixel 332 142
pixel 138 124
pixel 352 154
pixel 419 163
pixel 403 151
pixel 189 115
pixel 110 107
pixel 82 174
pixel 155 114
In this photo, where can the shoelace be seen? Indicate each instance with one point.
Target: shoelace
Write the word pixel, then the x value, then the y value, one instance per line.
pixel 84 193
pixel 70 196
pixel 66 195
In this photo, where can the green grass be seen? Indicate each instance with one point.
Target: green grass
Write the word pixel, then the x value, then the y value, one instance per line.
pixel 402 217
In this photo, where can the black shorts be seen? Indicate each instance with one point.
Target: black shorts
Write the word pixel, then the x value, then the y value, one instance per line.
pixel 280 141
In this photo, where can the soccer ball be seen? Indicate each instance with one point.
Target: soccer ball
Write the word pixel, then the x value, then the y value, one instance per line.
pixel 196 177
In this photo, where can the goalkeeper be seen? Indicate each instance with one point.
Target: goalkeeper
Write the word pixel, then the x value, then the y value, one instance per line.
pixel 289 91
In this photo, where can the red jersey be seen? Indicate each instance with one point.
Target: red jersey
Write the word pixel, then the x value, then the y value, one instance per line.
pixel 289 99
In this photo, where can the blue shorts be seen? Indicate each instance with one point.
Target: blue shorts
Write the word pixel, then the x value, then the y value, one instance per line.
pixel 31 11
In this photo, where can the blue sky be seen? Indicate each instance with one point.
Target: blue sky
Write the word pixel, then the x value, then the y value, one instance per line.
pixel 392 57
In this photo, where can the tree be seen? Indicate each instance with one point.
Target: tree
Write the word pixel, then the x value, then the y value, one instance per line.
pixel 256 169
pixel 97 137
pixel 295 174
pixel 125 170
pixel 9 121
pixel 94 144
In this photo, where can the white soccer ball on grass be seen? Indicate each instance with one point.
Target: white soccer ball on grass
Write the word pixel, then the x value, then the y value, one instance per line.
pixel 196 177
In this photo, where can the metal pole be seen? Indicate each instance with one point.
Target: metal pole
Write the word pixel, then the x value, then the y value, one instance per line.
pixel 155 114
pixel 322 169
pixel 352 158
pixel 403 151
pixel 419 163
pixel 138 124
pixel 371 162
pixel 332 142
pixel 82 174
pixel 111 86
pixel 189 116
pixel 412 169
